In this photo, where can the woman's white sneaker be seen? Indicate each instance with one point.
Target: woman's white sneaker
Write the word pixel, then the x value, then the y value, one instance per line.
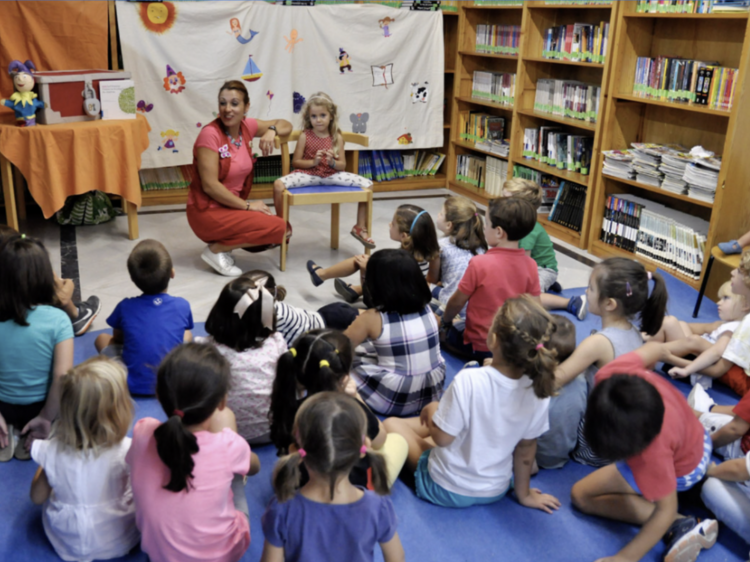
pixel 221 262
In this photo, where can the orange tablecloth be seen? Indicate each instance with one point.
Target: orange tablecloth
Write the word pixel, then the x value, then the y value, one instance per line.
pixel 72 158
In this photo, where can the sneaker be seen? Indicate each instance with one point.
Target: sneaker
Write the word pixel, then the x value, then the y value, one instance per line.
pixel 222 262
pixel 688 536
pixel 578 307
pixel 555 288
pixel 6 453
pixel 699 400
pixel 345 290
pixel 20 451
pixel 87 311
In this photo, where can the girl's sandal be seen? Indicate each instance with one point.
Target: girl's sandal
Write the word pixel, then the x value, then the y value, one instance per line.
pixel 361 234
pixel 312 267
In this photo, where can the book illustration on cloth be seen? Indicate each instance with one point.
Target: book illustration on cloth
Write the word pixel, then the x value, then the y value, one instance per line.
pixel 251 72
pixel 118 99
pixel 234 23
pixel 382 75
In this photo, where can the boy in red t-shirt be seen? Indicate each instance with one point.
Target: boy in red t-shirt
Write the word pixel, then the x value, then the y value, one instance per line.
pixel 504 272
pixel 640 419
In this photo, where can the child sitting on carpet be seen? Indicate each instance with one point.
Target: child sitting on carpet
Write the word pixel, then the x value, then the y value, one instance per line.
pixel 464 239
pixel 329 518
pixel 412 226
pixel 320 361
pixel 480 438
pixel 83 480
pixel 618 291
pixel 319 159
pixel 146 328
pixel 504 272
pixel 641 420
pixel 36 346
pixel 406 370
pixel 187 473
pixel 726 493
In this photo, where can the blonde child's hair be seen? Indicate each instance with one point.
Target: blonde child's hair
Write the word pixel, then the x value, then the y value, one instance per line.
pixel 324 100
pixel 744 268
pixel 726 291
pixel 525 189
pixel 467 229
pixel 95 406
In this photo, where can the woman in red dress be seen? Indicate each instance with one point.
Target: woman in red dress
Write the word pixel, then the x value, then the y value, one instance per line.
pixel 218 210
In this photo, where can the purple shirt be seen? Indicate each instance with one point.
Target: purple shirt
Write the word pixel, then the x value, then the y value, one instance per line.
pixel 309 531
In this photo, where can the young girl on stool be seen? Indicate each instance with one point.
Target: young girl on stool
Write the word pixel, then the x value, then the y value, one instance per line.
pixel 319 159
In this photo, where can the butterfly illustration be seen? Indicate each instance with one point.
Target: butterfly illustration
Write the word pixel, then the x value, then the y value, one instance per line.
pixel 143 108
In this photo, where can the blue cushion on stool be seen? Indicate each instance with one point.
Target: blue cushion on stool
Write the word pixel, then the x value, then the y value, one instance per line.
pixel 323 189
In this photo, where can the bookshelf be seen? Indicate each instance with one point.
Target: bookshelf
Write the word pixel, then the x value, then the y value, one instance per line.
pixel 534 18
pixel 628 118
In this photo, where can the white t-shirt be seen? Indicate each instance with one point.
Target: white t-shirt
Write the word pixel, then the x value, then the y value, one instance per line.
pixel 725 327
pixel 488 413
pixel 90 513
pixel 738 349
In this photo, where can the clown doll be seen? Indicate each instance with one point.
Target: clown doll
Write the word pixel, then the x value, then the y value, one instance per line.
pixel 23 101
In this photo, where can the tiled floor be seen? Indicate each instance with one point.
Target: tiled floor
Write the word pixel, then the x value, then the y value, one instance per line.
pixel 103 251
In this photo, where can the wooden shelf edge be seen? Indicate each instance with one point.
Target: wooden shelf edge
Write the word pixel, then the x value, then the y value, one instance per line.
pixel 559 231
pixel 408 184
pixel 713 16
pixel 468 190
pixel 577 123
pixel 653 189
pixel 488 55
pixel 566 62
pixel 675 105
pixel 470 146
pixel 477 101
pixel 575 177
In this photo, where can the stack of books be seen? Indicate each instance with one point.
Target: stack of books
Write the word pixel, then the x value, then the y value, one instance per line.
pixel 692 6
pixel 498 39
pixel 485 131
pixel 497 173
pixel 567 208
pixel 646 161
pixel 387 165
pixel 673 239
pixel 550 185
pixel 673 164
pixel 577 41
pixel 685 80
pixel 619 164
pixel 178 177
pixel 553 147
pixel 568 98
pixel 470 169
pixel 702 178
pixel 497 87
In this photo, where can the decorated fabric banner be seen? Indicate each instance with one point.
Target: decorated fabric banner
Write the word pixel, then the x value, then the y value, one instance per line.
pixel 383 68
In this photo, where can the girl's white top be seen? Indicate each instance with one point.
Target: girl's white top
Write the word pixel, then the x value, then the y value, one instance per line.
pixel 90 513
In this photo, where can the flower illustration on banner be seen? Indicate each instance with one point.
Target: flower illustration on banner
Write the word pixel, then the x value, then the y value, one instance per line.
pixel 174 82
pixel 298 100
pixel 144 107
pixel 382 75
pixel 344 61
pixel 169 136
pixel 234 23
pixel 292 40
pixel 384 23
pixel 158 17
pixel 405 139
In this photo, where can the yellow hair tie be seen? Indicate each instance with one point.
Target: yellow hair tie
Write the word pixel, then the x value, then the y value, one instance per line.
pixel 293 352
pixel 324 363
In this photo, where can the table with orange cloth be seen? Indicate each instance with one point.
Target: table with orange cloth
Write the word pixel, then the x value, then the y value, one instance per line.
pixel 73 158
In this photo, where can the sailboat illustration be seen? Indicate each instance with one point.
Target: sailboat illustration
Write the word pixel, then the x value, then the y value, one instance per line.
pixel 252 72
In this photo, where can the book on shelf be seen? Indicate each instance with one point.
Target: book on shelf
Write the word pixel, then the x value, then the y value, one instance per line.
pixel 496 87
pixel 449 5
pixel 673 239
pixel 497 173
pixel 481 128
pixel 578 2
pixel 577 41
pixel 568 98
pixel 550 185
pixel 498 39
pixel 176 177
pixel 685 80
pixel 387 165
pixel 470 169
pixel 550 146
pixel 692 6
pixel 568 206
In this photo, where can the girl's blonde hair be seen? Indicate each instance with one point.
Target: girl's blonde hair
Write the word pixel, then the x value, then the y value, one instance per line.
pixel 744 268
pixel 170 133
pixel 467 229
pixel 525 189
pixel 324 100
pixel 95 406
pixel 523 330
pixel 421 237
pixel 726 291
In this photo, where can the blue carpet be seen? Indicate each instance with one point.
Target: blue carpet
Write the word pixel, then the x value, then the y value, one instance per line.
pixel 502 531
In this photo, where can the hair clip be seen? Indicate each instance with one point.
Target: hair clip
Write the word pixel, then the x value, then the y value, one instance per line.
pixel 419 214
pixel 293 352
pixel 628 289
pixel 302 452
pixel 324 363
pixel 539 346
pixel 178 413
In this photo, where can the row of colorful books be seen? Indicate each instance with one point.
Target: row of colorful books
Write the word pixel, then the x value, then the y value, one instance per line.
pixel 498 39
pixel 478 127
pixel 568 98
pixel 578 2
pixel 568 206
pixel 577 41
pixel 423 5
pixel 551 146
pixel 674 240
pixel 387 165
pixel 470 168
pixel 685 80
pixel 496 87
pixel 497 173
pixel 498 2
pixel 691 6
pixel 550 185
pixel 176 177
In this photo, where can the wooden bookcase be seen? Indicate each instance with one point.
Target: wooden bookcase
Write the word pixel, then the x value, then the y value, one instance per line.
pixel 626 118
pixel 529 66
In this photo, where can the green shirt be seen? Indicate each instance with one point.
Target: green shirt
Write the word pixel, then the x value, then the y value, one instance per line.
pixel 540 246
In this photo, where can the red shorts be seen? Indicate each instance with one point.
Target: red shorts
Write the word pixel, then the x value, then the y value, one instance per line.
pixel 232 227
pixel 736 379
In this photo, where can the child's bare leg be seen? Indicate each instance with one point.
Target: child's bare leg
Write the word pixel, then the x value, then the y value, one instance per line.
pixel 672 329
pixel 362 216
pixel 554 302
pixel 417 437
pixel 744 240
pixel 342 269
pixel 102 341
pixel 718 369
pixel 687 345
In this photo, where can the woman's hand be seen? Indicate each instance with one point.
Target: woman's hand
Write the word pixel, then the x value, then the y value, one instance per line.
pixel 266 142
pixel 259 206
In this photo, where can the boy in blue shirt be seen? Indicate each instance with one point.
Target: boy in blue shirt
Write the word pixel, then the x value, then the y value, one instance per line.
pixel 146 328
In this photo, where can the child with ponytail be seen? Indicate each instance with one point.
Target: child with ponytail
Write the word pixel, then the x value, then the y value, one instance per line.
pixel 618 291
pixel 320 361
pixel 468 448
pixel 329 518
pixel 187 472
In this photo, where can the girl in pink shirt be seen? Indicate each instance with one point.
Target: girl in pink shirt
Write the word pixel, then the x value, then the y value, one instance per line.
pixel 188 472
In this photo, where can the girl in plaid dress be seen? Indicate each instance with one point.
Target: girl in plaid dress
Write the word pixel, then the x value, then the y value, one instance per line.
pixel 406 371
